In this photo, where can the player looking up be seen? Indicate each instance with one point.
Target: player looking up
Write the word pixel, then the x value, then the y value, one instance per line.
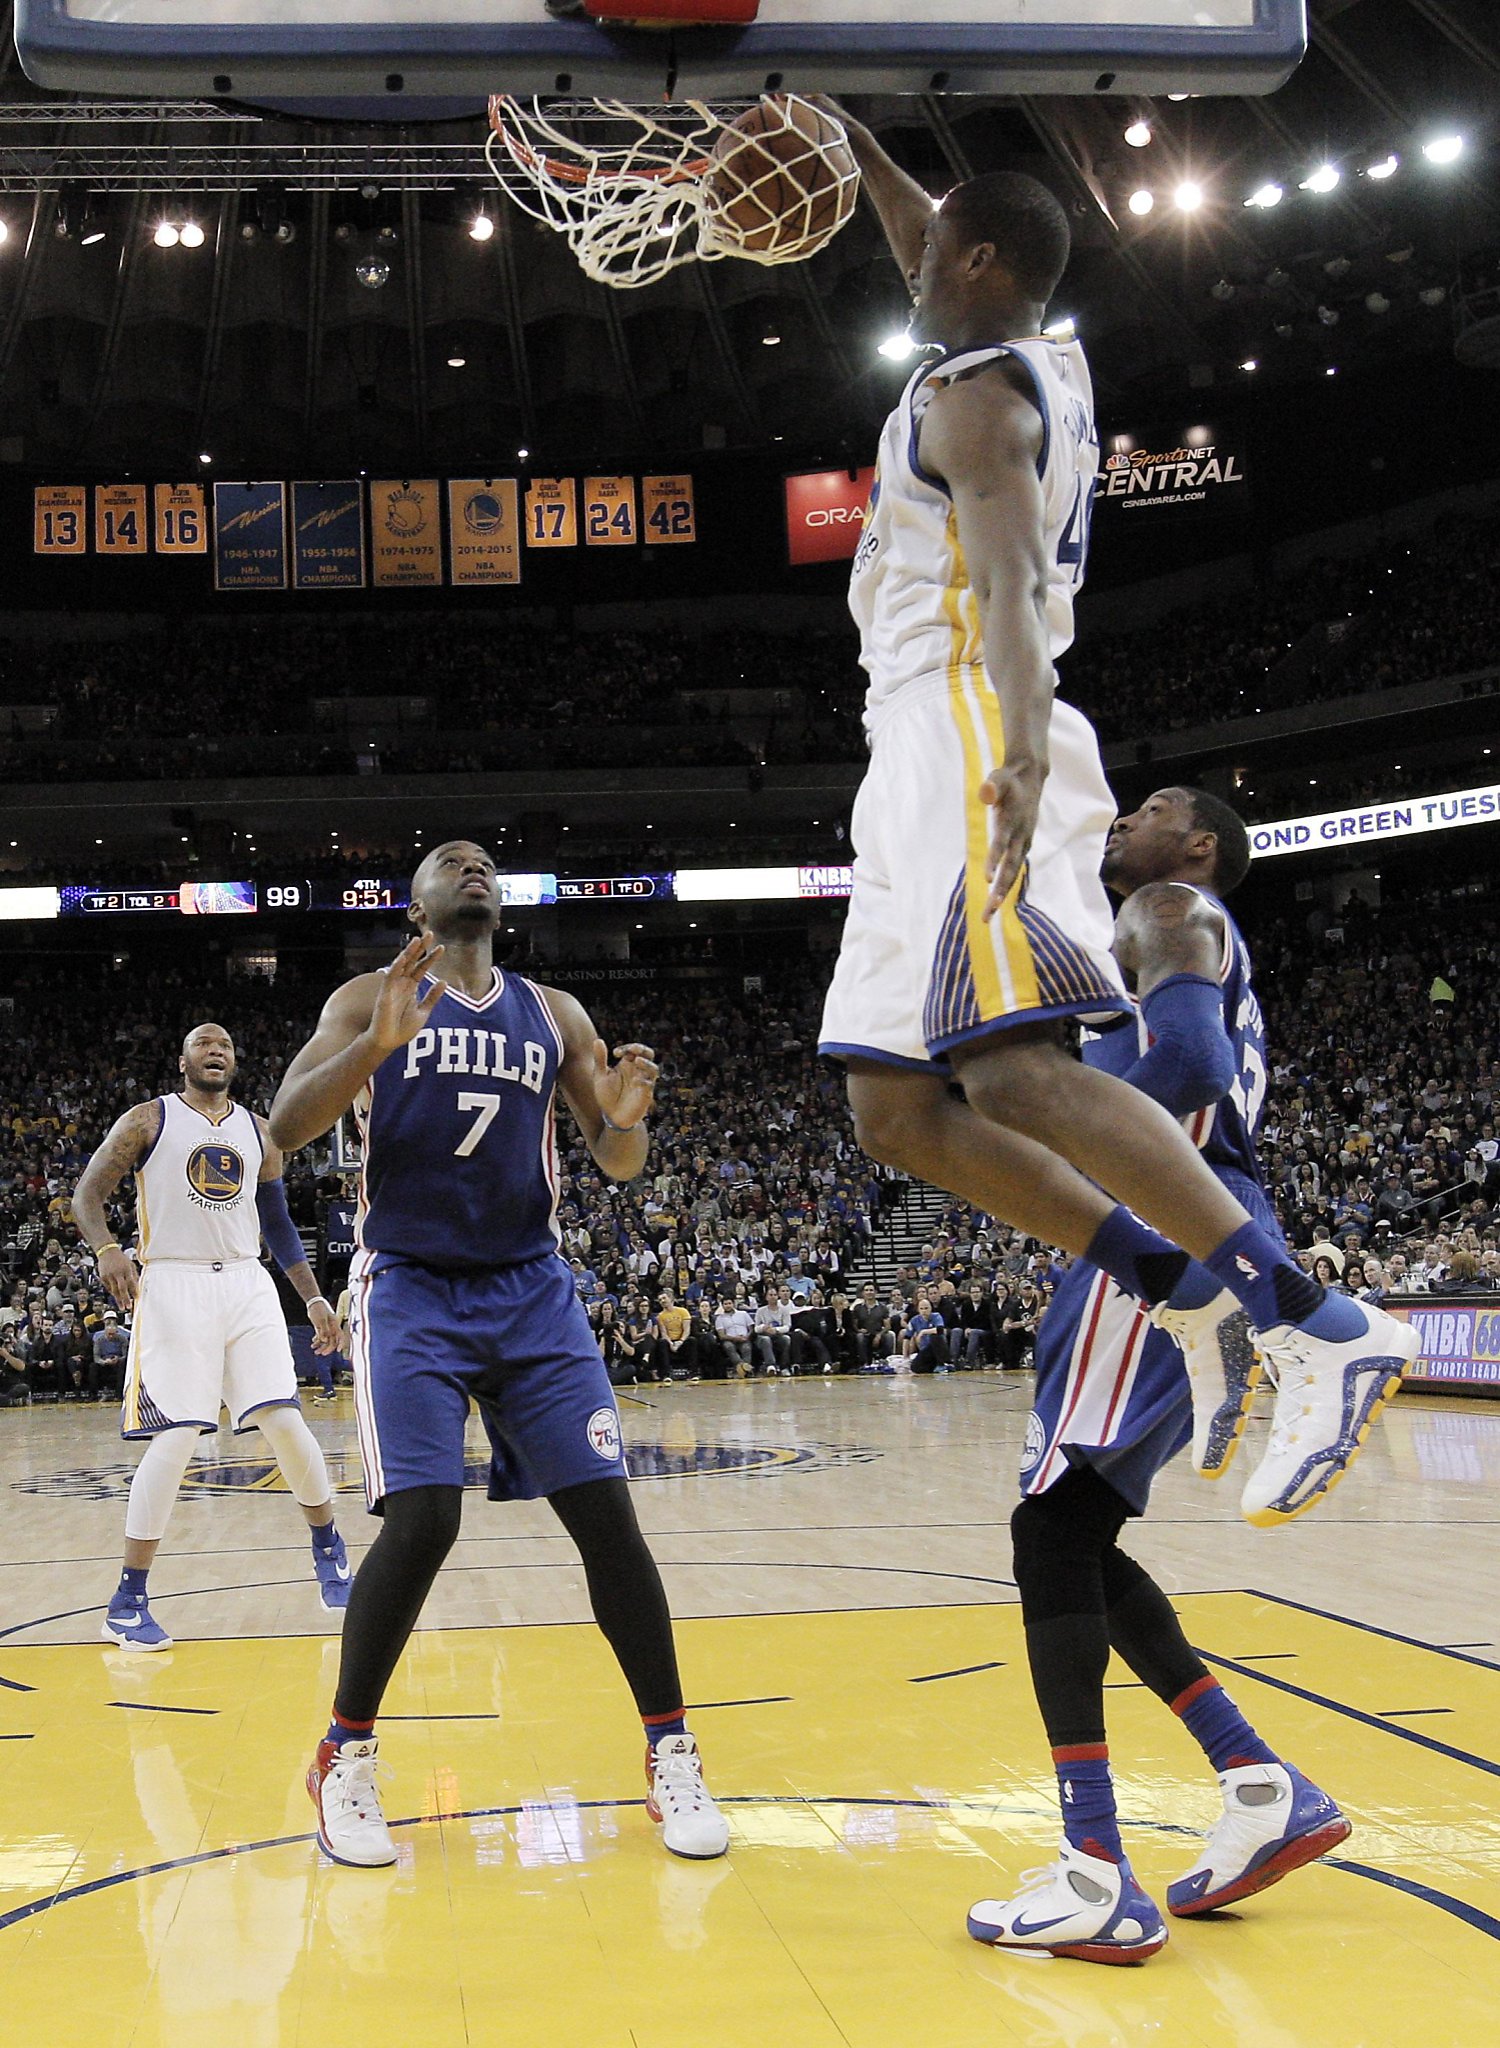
pixel 458 1291
pixel 1112 1406
pixel 207 1328
pixel 978 922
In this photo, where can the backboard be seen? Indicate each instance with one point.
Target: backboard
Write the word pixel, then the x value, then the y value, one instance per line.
pixel 415 49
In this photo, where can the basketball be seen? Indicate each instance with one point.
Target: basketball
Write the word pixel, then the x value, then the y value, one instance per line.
pixel 782 182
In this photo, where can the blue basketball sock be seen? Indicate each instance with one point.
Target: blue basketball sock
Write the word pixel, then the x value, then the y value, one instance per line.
pixel 1218 1727
pixel 1272 1289
pixel 324 1536
pixel 658 1725
pixel 341 1731
pixel 132 1584
pixel 1086 1793
pixel 1143 1262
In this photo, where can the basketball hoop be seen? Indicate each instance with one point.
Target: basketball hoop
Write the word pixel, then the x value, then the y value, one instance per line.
pixel 638 191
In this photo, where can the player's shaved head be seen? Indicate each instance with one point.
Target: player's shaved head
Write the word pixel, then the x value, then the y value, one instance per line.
pixel 427 866
pixel 210 1030
pixel 1024 223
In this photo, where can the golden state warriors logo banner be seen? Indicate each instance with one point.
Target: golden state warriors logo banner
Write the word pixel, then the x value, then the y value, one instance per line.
pixel 406 542
pixel 249 536
pixel 328 536
pixel 484 534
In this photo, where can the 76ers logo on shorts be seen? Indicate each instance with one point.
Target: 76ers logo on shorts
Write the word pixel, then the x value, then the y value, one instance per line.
pixel 216 1173
pixel 604 1432
pixel 1036 1441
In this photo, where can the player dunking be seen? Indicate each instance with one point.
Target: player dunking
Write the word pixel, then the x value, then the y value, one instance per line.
pixel 1112 1407
pixel 977 921
pixel 207 1326
pixel 458 1291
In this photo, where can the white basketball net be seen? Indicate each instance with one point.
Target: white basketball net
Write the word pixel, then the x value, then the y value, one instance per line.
pixel 639 190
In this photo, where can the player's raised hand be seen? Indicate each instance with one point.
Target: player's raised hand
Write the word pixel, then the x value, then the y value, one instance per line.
pixel 401 1009
pixel 626 1090
pixel 1014 796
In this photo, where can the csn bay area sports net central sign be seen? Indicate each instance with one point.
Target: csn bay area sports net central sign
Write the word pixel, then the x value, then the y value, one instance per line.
pixel 1197 470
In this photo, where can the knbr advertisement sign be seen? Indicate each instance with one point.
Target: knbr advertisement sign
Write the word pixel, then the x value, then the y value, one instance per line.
pixel 1195 471
pixel 825 514
pixel 1460 1346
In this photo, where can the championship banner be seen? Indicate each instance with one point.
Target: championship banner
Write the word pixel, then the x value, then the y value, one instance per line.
pixel 249 536
pixel 609 511
pixel 57 519
pixel 551 512
pixel 181 523
pixel 667 510
pixel 328 536
pixel 405 534
pixel 484 534
pixel 1194 471
pixel 825 514
pixel 120 519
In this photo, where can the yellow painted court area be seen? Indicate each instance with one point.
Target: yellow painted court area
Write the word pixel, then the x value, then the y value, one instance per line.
pixel 160 1886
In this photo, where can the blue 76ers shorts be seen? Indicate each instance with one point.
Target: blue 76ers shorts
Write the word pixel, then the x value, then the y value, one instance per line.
pixel 516 1339
pixel 1111 1389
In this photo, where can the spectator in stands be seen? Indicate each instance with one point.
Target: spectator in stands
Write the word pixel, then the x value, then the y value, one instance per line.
pixel 106 1369
pixel 676 1346
pixel 734 1327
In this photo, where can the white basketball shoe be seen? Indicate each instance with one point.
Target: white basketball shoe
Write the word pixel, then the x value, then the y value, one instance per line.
pixel 1274 1821
pixel 341 1785
pixel 1328 1395
pixel 1217 1343
pixel 1081 1905
pixel 676 1796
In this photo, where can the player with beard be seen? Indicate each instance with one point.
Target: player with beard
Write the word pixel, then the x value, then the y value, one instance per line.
pixel 207 1328
pixel 1112 1407
pixel 458 1291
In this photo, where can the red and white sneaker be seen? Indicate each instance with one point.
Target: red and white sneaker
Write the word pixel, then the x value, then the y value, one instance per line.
pixel 676 1796
pixel 341 1785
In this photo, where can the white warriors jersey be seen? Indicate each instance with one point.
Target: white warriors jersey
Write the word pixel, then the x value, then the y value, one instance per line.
pixel 910 593
pixel 195 1188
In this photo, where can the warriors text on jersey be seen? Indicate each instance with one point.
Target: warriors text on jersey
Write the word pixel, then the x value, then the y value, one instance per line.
pixel 910 593
pixel 459 1130
pixel 195 1188
pixel 1225 1131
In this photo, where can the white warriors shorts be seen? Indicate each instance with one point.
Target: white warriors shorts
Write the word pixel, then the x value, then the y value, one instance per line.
pixel 203 1337
pixel 920 971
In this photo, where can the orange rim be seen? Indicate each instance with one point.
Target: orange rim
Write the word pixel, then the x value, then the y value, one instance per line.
pixel 575 174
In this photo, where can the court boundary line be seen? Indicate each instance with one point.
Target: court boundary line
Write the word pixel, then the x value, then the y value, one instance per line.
pixel 1370 1628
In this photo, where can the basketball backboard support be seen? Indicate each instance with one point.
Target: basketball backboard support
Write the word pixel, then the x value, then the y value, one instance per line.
pixel 396 50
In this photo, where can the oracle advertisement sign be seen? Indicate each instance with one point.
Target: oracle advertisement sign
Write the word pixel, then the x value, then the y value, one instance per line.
pixel 1460 1344
pixel 825 514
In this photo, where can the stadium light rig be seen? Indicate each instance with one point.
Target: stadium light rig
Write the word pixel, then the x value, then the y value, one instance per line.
pixel 1141 202
pixel 1062 330
pixel 1264 197
pixel 1189 196
pixel 1324 179
pixel 1138 134
pixel 896 348
pixel 1386 168
pixel 1443 149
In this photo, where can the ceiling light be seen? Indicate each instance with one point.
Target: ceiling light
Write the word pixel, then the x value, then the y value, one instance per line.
pixel 4 230
pixel 1278 277
pixel 1443 149
pixel 1377 302
pixel 1285 330
pixel 481 227
pixel 522 453
pixel 456 362
pixel 373 272
pixel 1337 266
pixel 86 240
pixel 1188 196
pixel 1328 315
pixel 1222 290
pixel 1331 371
pixel 770 335
pixel 1386 168
pixel 1323 179
pixel 190 235
pixel 1266 196
pixel 1250 364
pixel 1432 294
pixel 897 347
pixel 1138 134
pixel 1141 201
pixel 205 456
pixel 166 235
pixel 1062 330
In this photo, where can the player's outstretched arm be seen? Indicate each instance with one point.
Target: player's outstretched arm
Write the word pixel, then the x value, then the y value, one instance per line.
pixel 284 1243
pixel 904 208
pixel 1171 940
pixel 126 1146
pixel 983 439
pixel 361 1025
pixel 611 1103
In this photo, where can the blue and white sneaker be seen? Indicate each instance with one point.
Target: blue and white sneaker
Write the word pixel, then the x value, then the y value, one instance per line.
pixel 1217 1343
pixel 1274 1821
pixel 1328 1395
pixel 1081 1905
pixel 334 1574
pixel 129 1621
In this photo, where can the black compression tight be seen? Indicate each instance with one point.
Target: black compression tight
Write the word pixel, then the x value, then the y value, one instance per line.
pixel 419 1529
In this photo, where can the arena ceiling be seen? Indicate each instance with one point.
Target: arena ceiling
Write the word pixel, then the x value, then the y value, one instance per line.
pixel 262 348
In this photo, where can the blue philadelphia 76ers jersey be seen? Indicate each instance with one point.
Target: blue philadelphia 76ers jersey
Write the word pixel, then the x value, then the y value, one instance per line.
pixel 1225 1131
pixel 459 1129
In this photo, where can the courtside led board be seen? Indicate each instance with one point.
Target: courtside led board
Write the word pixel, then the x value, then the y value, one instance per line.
pixel 397 49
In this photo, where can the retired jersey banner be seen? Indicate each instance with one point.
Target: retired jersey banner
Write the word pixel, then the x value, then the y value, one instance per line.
pixel 484 533
pixel 120 519
pixel 181 522
pixel 406 541
pixel 1189 470
pixel 552 512
pixel 609 511
pixel 825 514
pixel 668 515
pixel 249 536
pixel 59 515
pixel 328 536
